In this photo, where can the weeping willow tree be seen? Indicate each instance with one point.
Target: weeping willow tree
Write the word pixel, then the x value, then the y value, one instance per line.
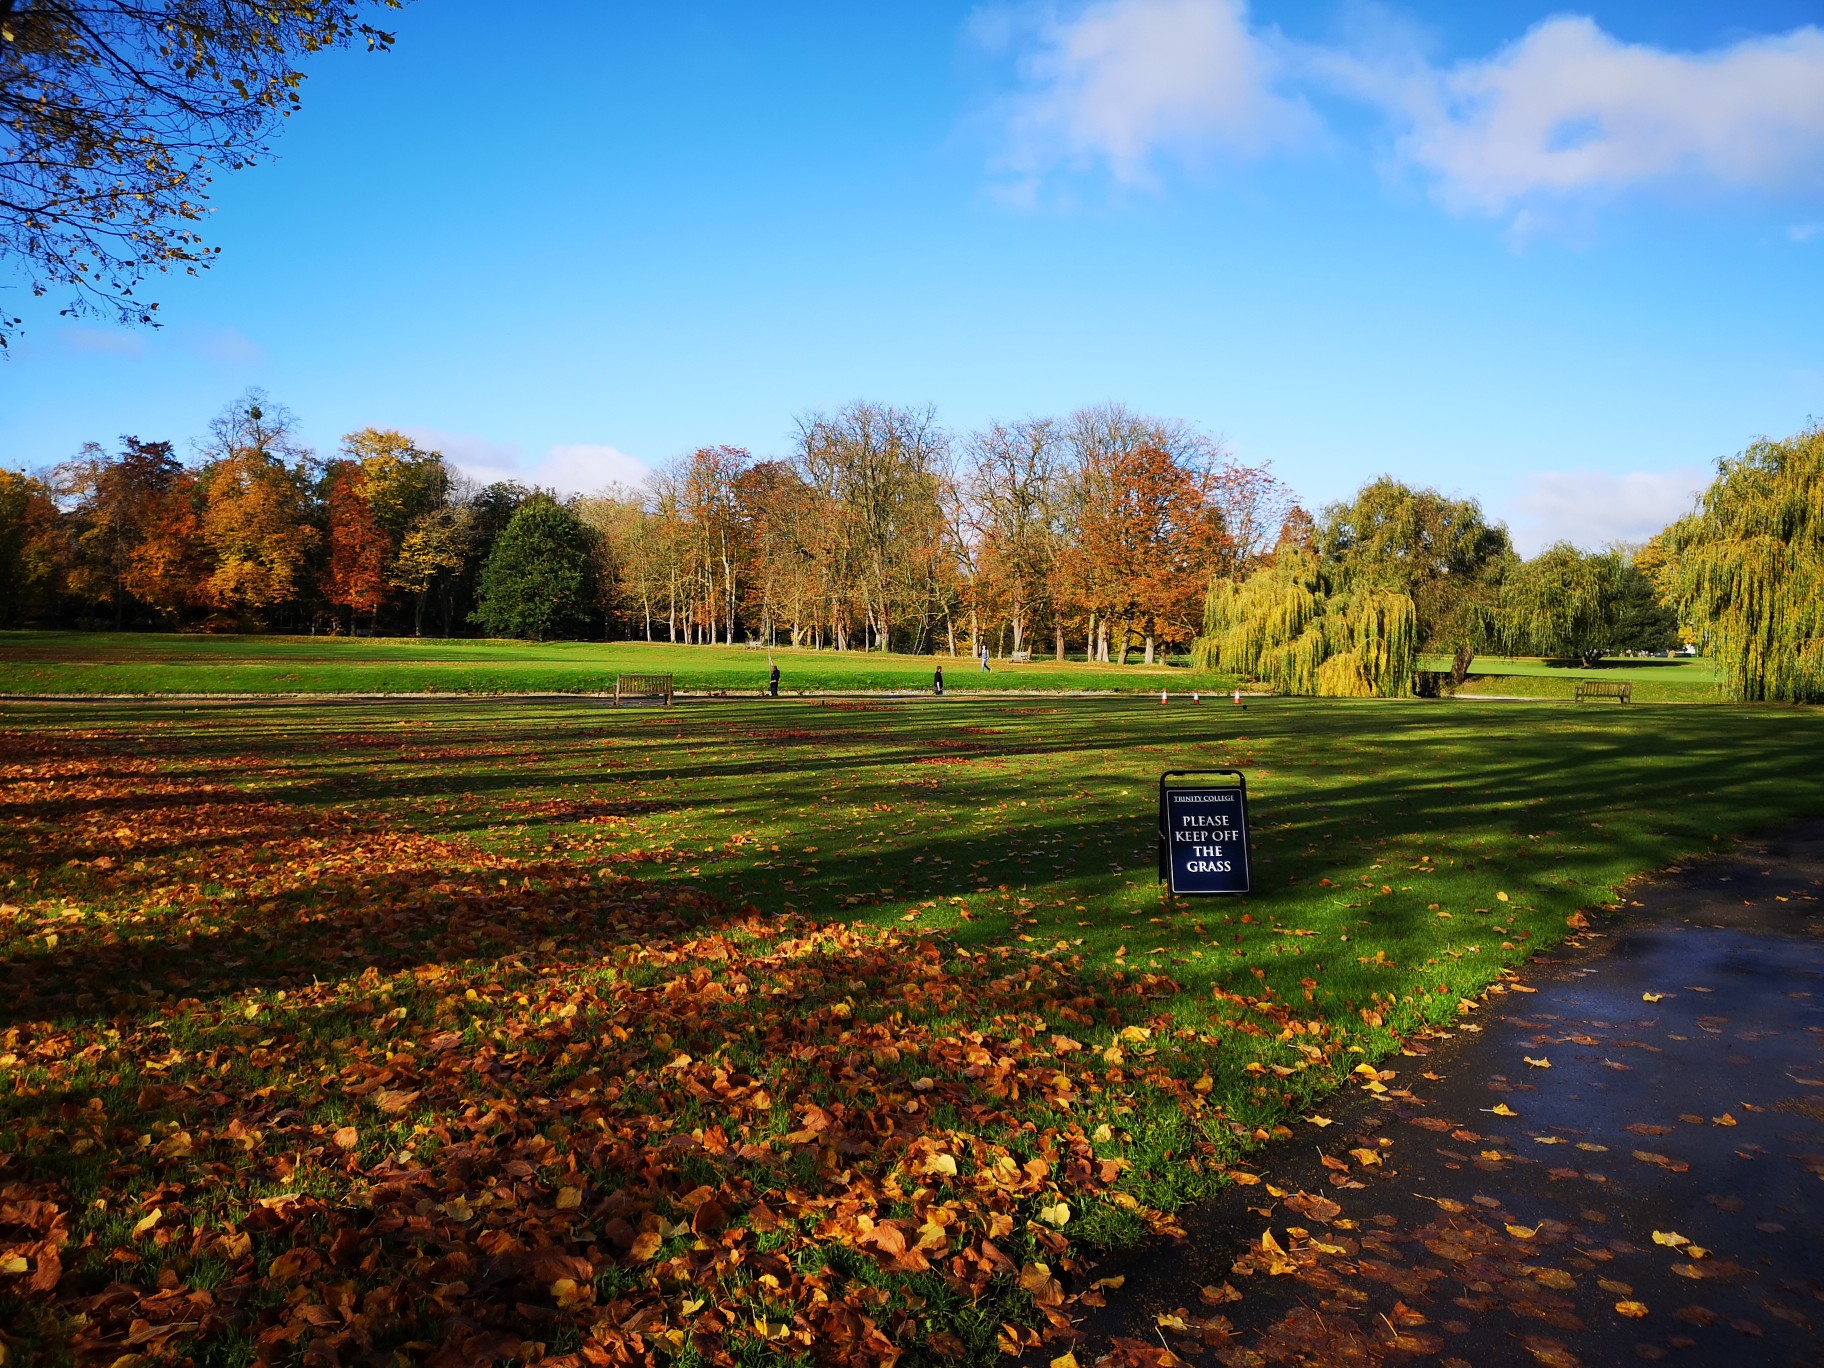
pixel 1290 627
pixel 1747 570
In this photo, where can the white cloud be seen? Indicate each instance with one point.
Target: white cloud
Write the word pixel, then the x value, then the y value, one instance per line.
pixel 1805 232
pixel 1593 508
pixel 1569 110
pixel 1121 80
pixel 569 468
pixel 1566 113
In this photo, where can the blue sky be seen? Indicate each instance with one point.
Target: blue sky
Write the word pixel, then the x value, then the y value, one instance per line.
pixel 1560 260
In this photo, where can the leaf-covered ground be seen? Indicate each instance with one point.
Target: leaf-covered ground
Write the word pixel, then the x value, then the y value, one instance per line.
pixel 741 1032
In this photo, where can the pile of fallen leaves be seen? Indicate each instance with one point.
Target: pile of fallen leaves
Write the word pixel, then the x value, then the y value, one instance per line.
pixel 280 1077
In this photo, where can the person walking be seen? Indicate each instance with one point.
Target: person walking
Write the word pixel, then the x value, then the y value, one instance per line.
pixel 937 682
pixel 772 682
pixel 985 669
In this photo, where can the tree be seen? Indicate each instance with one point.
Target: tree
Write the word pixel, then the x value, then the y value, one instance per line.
pixel 1563 602
pixel 257 512
pixel 880 470
pixel 1012 488
pixel 431 552
pixel 1294 626
pixel 400 482
pixel 28 531
pixel 114 503
pixel 536 580
pixel 1747 570
pixel 169 566
pixel 1643 621
pixel 360 552
pixel 114 114
pixel 1441 553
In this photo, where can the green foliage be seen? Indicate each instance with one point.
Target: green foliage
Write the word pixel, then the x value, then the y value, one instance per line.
pixel 1747 570
pixel 1563 602
pixel 536 580
pixel 1643 622
pixel 1441 553
pixel 1287 626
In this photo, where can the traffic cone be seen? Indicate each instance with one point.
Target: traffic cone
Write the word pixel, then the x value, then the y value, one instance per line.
pixel 1238 695
pixel 1196 697
pixel 1162 695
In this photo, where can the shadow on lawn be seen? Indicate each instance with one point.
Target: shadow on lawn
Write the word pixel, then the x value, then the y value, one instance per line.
pixel 272 888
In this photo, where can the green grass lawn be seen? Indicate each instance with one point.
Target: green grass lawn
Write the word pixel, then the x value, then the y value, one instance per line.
pixel 1680 680
pixel 719 1031
pixel 151 663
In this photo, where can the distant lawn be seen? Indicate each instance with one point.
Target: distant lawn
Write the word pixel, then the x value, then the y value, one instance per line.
pixel 154 663
pixel 1679 680
pixel 746 1027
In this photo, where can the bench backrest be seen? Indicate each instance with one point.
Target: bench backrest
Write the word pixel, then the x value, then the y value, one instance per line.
pixel 628 687
pixel 1605 688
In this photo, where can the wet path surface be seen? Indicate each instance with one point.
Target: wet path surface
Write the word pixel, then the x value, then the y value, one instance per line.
pixel 1623 1165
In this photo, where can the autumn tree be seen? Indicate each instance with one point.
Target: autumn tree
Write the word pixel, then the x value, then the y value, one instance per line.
pixel 1442 553
pixel 169 566
pixel 1008 523
pixel 430 554
pixel 879 468
pixel 114 506
pixel 114 115
pixel 535 583
pixel 257 514
pixel 360 553
pixel 1153 512
pixel 28 534
pixel 1746 570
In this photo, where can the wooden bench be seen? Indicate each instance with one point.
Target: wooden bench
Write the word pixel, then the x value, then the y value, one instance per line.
pixel 1603 688
pixel 642 688
pixel 1021 658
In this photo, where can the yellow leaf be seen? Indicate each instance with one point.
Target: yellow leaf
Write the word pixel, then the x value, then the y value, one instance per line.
pixel 569 1198
pixel 1501 897
pixel 1520 1232
pixel 1537 1063
pixel 1671 1239
pixel 1367 1158
pixel 1065 1360
pixel 14 1263
pixel 1632 1309
pixel 1651 997
pixel 1269 1245
pixel 941 1163
pixel 1058 1214
pixel 1102 1134
pixel 1502 1109
pixel 1724 1120
pixel 1319 1121
pixel 148 1221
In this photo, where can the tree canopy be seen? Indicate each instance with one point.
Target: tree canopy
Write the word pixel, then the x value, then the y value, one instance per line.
pixel 1290 625
pixel 1563 602
pixel 1747 570
pixel 535 583
pixel 114 115
pixel 1442 553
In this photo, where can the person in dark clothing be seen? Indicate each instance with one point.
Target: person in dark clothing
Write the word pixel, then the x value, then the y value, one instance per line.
pixel 772 683
pixel 937 682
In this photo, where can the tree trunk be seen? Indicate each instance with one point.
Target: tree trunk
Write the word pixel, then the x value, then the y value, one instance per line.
pixel 1058 629
pixel 1459 666
pixel 1121 659
pixel 1149 644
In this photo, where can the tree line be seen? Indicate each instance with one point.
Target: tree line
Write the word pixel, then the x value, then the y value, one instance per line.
pixel 1105 535
pixel 880 530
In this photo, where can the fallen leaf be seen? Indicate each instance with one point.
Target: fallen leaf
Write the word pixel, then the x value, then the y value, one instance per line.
pixel 1632 1309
